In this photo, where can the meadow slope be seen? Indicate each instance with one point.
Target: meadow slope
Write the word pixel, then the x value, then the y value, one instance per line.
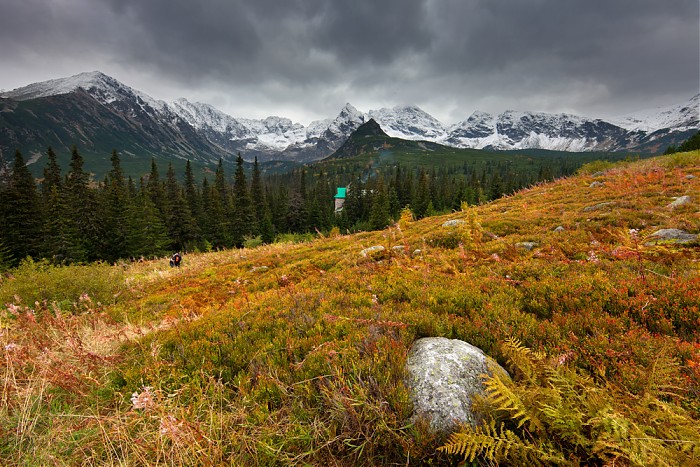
pixel 293 354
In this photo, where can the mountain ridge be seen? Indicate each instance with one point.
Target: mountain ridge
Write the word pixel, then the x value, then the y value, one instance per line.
pixel 200 131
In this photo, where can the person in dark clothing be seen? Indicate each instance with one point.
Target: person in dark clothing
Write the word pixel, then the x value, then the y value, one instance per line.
pixel 175 260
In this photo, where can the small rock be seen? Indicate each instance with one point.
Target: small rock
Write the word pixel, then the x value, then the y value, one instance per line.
pixel 673 236
pixel 259 269
pixel 417 252
pixel 529 246
pixel 596 184
pixel 371 250
pixel 559 229
pixel 599 206
pixel 690 177
pixel 682 201
pixel 444 376
pixel 453 223
pixel 597 174
pixel 398 249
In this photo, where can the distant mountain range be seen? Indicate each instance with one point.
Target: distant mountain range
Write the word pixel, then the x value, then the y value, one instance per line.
pixel 98 113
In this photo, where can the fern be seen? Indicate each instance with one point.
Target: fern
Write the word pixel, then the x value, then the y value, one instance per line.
pixel 555 415
pixel 505 399
pixel 494 442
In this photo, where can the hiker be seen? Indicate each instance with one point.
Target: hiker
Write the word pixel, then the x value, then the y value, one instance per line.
pixel 175 260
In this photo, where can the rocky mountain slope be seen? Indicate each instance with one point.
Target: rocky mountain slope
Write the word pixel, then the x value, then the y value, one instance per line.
pixel 98 113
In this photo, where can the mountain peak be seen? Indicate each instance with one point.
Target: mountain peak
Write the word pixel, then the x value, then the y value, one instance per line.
pixel 55 87
pixel 369 128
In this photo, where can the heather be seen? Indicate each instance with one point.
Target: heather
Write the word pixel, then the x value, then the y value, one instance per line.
pixel 293 353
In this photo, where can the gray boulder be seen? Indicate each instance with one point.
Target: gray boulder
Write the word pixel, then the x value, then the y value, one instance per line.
pixel 398 249
pixel 673 236
pixel 372 250
pixel 559 229
pixel 596 184
pixel 599 206
pixel 444 376
pixel 682 201
pixel 529 246
pixel 453 223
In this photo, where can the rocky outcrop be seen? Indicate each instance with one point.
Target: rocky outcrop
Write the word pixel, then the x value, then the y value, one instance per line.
pixel 444 376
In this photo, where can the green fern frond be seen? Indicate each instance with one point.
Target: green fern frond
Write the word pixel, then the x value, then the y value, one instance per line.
pixel 491 442
pixel 503 398
pixel 521 358
pixel 495 443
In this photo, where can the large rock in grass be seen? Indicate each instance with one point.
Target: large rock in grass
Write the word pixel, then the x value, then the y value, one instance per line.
pixel 444 376
pixel 672 236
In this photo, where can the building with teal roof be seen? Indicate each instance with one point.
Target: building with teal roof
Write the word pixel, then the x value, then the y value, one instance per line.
pixel 340 198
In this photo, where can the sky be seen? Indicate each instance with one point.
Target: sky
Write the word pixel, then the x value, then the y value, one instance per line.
pixel 304 59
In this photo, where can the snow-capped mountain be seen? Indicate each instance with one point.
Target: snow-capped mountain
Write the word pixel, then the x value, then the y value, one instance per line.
pixel 679 117
pixel 99 113
pixel 409 122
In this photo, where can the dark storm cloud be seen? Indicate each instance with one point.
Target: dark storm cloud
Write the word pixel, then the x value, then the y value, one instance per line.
pixel 620 43
pixel 448 56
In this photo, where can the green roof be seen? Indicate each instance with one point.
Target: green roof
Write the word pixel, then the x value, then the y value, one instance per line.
pixel 340 193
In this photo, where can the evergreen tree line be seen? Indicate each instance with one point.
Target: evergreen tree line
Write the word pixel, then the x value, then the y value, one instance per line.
pixel 71 219
pixel 691 144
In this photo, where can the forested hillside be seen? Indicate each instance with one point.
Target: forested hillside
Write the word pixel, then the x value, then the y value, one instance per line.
pixel 70 218
pixel 586 289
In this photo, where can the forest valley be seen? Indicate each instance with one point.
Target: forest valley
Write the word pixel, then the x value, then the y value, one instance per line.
pixel 70 218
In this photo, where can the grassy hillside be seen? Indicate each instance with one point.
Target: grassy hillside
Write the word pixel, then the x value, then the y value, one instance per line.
pixel 293 354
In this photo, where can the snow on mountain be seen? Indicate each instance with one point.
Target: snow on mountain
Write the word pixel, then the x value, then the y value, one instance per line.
pixel 274 137
pixel 680 117
pixel 204 116
pixel 408 122
pixel 105 89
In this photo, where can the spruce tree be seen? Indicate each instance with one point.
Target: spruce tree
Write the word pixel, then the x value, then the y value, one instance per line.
pixel 22 219
pixel 82 225
pixel 52 175
pixel 215 227
pixel 422 198
pixel 147 236
pixel 192 195
pixel 182 228
pixel 242 209
pixel 257 194
pixel 115 203
pixel 379 213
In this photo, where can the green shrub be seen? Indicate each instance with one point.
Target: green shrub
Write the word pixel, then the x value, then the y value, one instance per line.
pixel 42 282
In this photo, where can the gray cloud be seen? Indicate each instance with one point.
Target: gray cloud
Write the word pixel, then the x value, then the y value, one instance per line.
pixel 305 59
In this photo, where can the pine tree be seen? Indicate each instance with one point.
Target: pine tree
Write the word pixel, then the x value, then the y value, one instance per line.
pixel 52 175
pixel 257 194
pixel 422 199
pixel 21 214
pixel 192 195
pixel 115 203
pixel 147 236
pixel 82 225
pixel 379 213
pixel 156 191
pixel 267 230
pixel 182 229
pixel 215 226
pixel 55 239
pixel 242 209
